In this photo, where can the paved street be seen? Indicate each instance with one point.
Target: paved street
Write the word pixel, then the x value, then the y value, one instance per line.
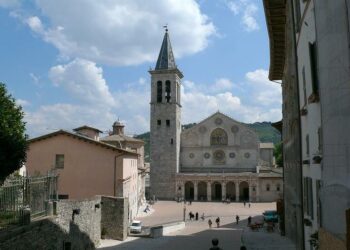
pixel 197 234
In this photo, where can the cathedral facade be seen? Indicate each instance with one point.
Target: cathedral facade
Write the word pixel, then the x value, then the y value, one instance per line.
pixel 217 159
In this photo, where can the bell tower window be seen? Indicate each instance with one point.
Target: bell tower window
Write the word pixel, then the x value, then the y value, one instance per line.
pixel 159 91
pixel 167 91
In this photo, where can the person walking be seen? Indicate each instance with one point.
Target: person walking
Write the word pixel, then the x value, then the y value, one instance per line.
pixel 249 220
pixel 215 243
pixel 202 217
pixel 244 203
pixel 249 204
pixel 210 223
pixel 196 215
pixel 217 222
pixel 237 219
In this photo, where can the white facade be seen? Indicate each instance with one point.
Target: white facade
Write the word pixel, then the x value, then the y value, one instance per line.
pixel 310 118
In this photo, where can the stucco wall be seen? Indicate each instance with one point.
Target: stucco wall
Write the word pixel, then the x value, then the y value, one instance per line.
pixel 88 168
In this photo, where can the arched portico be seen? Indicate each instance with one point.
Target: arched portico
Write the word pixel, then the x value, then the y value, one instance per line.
pixel 231 191
pixel 189 190
pixel 202 191
pixel 216 191
pixel 244 191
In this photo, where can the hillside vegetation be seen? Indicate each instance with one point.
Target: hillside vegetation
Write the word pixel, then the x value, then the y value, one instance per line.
pixel 265 131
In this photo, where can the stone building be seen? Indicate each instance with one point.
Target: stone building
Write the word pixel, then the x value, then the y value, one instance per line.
pixel 217 159
pixel 309 44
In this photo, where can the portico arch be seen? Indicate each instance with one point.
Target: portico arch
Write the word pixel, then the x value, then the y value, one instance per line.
pixel 216 193
pixel 189 190
pixel 231 191
pixel 202 191
pixel 244 191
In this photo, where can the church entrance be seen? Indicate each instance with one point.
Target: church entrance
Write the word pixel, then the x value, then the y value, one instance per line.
pixel 202 191
pixel 231 191
pixel 216 192
pixel 189 190
pixel 243 191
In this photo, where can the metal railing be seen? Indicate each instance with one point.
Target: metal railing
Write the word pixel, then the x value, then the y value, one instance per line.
pixel 25 194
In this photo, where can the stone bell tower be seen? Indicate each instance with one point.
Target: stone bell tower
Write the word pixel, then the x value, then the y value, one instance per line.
pixel 165 122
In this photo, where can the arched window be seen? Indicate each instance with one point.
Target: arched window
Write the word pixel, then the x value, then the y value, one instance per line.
pixel 278 187
pixel 218 137
pixel 159 91
pixel 167 91
pixel 267 187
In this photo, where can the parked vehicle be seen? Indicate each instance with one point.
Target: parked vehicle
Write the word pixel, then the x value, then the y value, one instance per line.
pixel 270 216
pixel 136 226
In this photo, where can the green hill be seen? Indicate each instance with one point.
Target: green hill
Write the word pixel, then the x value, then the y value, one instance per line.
pixel 266 133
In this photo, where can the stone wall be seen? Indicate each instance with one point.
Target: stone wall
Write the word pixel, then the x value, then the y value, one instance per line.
pixel 114 217
pixel 88 219
pixel 329 241
pixel 79 231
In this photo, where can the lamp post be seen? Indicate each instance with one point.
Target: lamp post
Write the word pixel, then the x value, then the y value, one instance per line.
pixel 184 217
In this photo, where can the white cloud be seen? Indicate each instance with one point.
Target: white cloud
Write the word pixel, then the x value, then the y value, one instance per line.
pixel 131 105
pixel 222 84
pixel 248 17
pixel 35 24
pixel 83 80
pixel 110 32
pixel 22 102
pixel 9 3
pixel 247 10
pixel 265 92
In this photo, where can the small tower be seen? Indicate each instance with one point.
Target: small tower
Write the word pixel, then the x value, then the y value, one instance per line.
pixel 118 128
pixel 165 122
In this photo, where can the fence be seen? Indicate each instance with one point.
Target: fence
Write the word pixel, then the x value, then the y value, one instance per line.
pixel 25 193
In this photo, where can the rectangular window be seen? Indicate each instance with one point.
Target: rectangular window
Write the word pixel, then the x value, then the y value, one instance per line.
pixel 319 133
pixel 310 199
pixel 171 141
pixel 159 91
pixel 297 15
pixel 59 161
pixel 304 87
pixel 305 193
pixel 63 196
pixel 159 122
pixel 313 66
pixel 318 204
pixel 167 91
pixel 168 123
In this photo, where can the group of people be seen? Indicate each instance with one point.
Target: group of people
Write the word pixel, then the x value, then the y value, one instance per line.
pixel 193 216
pixel 217 221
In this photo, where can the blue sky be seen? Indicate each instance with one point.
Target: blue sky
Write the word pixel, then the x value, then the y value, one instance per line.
pixel 70 63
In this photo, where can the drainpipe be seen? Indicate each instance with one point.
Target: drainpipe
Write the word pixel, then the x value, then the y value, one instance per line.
pixel 299 124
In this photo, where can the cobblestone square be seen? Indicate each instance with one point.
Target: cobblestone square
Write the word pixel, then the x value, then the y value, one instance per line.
pixel 197 234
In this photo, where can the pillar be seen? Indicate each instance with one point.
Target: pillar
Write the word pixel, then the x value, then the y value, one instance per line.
pixel 183 189
pixel 223 190
pixel 257 189
pixel 237 190
pixel 209 191
pixel 195 184
pixel 250 192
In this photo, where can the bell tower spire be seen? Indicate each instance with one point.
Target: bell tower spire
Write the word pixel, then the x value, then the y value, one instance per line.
pixel 165 122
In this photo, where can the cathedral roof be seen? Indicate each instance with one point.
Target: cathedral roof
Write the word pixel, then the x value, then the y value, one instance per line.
pixel 166 58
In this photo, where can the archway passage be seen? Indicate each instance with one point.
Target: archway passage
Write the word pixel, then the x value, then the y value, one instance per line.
pixel 189 190
pixel 216 191
pixel 202 191
pixel 243 191
pixel 231 191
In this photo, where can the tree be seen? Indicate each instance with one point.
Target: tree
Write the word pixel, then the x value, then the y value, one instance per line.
pixel 277 153
pixel 13 140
